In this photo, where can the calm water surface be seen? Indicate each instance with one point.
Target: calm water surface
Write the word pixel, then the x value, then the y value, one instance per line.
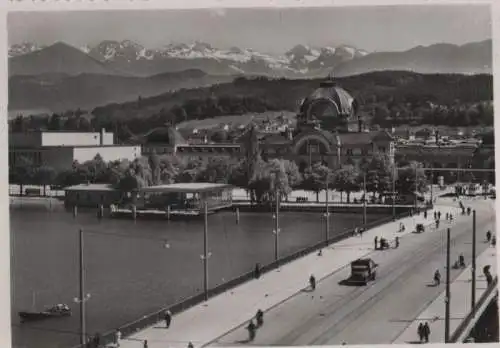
pixel 129 271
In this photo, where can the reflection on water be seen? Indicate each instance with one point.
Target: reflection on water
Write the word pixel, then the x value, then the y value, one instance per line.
pixel 130 272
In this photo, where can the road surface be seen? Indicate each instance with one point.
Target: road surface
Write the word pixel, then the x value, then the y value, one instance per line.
pixel 379 312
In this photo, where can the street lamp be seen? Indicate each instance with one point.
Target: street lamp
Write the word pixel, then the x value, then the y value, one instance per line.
pixel 206 254
pixel 364 199
pixel 447 295
pixel 276 229
pixel 83 298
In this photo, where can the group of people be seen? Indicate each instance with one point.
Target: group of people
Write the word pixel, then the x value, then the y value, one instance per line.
pixel 252 327
pixel 424 331
pixel 491 239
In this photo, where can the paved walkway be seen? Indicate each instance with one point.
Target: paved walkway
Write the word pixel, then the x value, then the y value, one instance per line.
pixel 460 305
pixel 207 321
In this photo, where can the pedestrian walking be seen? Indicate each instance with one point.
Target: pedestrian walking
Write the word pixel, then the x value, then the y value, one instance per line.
pixel 437 278
pixel 145 344
pixel 361 231
pixel 259 317
pixel 312 282
pixel 190 345
pixel 493 241
pixel 425 214
pixel 439 215
pixel 97 340
pixel 435 215
pixel 420 332
pixel 447 216
pixel 427 332
pixel 118 337
pixel 396 241
pixel 251 331
pixel 257 271
pixel 376 242
pixel 488 236
pixel 168 318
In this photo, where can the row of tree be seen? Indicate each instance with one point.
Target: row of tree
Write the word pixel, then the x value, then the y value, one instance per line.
pixel 263 178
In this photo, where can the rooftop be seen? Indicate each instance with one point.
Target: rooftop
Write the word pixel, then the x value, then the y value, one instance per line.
pixel 192 187
pixel 90 187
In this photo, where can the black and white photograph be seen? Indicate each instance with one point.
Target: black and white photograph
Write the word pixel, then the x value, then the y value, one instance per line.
pixel 258 176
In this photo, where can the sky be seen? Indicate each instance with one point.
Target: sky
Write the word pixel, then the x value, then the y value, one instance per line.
pixel 375 28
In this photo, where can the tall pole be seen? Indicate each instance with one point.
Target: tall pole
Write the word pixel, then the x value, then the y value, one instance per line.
pixel 276 228
pixel 447 296
pixel 364 200
pixel 473 269
pixel 83 338
pixel 394 192
pixel 327 215
pixel 205 249
pixel 415 203
pixel 432 187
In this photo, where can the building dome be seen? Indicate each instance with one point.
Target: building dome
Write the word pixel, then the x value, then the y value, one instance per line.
pixel 165 135
pixel 330 105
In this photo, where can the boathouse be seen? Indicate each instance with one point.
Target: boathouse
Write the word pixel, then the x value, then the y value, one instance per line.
pixel 186 197
pixel 91 195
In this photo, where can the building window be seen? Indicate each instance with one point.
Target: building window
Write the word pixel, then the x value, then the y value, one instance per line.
pixel 349 152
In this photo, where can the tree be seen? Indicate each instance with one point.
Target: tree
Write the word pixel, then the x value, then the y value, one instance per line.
pixel 346 180
pixel 44 176
pixel 22 173
pixel 315 178
pixel 379 173
pixel 218 169
pixel 411 179
pixel 219 136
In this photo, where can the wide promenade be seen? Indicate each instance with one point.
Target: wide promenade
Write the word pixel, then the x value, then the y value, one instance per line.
pixel 295 316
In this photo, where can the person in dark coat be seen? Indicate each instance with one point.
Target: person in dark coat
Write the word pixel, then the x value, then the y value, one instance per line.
pixel 251 331
pixel 427 332
pixel 190 345
pixel 420 331
pixel 97 340
pixel 376 242
pixel 257 271
pixel 168 319
pixel 145 344
pixel 312 282
pixel 259 317
pixel 488 236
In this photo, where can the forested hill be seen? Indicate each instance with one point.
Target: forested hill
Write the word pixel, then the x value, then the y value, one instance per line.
pixel 388 94
pixel 388 98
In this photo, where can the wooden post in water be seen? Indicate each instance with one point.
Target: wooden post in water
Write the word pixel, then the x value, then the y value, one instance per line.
pixel 134 212
pixel 276 228
pixel 100 212
pixel 237 215
pixel 75 211
pixel 168 212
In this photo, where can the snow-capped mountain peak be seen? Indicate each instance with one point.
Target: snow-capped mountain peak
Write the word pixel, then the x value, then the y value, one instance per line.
pixel 23 48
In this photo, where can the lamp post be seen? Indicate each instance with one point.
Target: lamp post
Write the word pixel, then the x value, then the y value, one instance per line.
pixel 394 171
pixel 364 199
pixel 206 254
pixel 447 295
pixel 276 229
pixel 473 268
pixel 327 213
pixel 82 299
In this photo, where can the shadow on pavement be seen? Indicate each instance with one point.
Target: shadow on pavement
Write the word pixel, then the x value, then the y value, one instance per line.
pixel 348 282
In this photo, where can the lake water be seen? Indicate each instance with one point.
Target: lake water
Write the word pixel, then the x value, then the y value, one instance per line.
pixel 130 273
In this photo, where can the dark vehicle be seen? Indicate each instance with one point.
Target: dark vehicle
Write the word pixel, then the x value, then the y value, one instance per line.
pixel 420 228
pixel 57 311
pixel 362 271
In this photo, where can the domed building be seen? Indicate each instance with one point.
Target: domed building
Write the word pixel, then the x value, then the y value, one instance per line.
pixel 329 130
pixel 330 108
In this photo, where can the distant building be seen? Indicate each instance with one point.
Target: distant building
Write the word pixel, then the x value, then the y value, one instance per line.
pixel 60 150
pixel 91 195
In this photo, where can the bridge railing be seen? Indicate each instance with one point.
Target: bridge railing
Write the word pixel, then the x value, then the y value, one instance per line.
pixel 153 318
pixel 463 330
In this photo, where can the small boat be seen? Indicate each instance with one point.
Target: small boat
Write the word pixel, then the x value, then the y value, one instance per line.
pixel 56 311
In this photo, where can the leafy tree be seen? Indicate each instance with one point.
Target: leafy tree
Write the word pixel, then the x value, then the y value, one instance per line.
pixel 315 178
pixel 346 180
pixel 379 173
pixel 44 176
pixel 411 179
pixel 22 173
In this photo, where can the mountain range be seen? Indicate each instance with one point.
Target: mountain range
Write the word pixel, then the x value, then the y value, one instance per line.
pixel 62 76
